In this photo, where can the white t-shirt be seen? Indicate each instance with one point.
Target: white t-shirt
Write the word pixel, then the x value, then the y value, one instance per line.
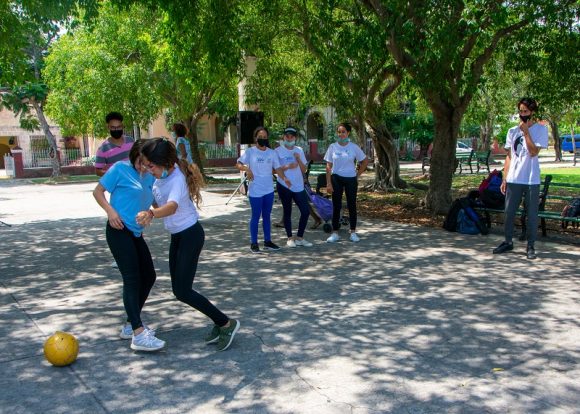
pixel 261 163
pixel 286 156
pixel 174 188
pixel 525 169
pixel 343 157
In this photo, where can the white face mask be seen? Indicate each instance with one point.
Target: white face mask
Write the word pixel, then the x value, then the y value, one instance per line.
pixel 289 143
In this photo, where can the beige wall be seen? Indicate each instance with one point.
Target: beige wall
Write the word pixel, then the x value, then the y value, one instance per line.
pixel 10 127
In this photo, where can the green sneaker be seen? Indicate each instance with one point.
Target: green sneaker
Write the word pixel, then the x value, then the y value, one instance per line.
pixel 227 335
pixel 213 336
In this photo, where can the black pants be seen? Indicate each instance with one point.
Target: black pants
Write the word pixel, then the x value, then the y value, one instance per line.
pixel 184 253
pixel 136 266
pixel 286 196
pixel 348 185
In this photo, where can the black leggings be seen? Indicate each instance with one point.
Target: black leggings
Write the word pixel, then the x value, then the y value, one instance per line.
pixel 184 253
pixel 136 266
pixel 349 185
pixel 300 198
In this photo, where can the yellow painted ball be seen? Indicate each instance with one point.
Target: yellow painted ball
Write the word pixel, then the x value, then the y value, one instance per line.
pixel 61 349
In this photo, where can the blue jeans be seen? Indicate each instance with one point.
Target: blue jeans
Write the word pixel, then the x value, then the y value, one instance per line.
pixel 261 206
pixel 286 196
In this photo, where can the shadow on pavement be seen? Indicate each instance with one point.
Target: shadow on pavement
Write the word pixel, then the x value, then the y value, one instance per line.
pixel 408 320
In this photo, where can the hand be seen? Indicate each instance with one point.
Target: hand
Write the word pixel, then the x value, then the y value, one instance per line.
pixel 297 156
pixel 329 189
pixel 288 182
pixel 503 187
pixel 249 175
pixel 144 218
pixel 524 127
pixel 115 220
pixel 291 165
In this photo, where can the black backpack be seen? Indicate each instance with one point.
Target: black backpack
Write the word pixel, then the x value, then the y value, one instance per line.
pixel 466 204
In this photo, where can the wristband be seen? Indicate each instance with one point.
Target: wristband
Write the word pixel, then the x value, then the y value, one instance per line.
pixel 151 214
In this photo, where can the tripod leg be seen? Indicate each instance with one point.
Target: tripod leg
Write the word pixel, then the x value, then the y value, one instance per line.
pixel 235 191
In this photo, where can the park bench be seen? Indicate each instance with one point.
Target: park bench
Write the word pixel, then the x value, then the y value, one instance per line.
pixel 479 159
pixel 550 207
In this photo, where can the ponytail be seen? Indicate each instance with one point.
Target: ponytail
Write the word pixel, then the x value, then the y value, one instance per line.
pixel 194 180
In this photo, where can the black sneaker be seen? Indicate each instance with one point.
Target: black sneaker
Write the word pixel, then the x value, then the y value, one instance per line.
pixel 531 252
pixel 268 245
pixel 254 248
pixel 503 247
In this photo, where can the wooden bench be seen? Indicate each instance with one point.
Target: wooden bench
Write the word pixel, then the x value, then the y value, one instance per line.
pixel 550 205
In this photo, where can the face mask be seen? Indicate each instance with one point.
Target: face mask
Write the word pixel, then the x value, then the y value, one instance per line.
pixel 344 140
pixel 289 143
pixel 173 135
pixel 164 174
pixel 263 142
pixel 117 133
pixel 525 118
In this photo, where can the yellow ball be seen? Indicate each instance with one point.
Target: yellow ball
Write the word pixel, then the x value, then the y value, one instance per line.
pixel 61 349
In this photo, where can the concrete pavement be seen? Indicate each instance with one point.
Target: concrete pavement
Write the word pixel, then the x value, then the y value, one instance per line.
pixel 409 320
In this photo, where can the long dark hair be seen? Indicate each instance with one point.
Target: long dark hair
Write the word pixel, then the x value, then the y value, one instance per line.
pixel 162 152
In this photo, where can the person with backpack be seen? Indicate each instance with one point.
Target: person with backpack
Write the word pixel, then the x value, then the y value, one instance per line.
pixel 522 174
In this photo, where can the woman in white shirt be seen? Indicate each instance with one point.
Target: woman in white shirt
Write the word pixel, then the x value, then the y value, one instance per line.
pixel 293 163
pixel 259 163
pixel 342 176
pixel 177 190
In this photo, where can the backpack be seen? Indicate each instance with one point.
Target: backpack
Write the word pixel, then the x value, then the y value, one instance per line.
pixel 490 191
pixel 464 206
pixel 571 210
pixel 465 225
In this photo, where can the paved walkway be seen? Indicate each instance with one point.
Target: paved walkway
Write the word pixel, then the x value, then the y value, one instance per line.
pixel 409 320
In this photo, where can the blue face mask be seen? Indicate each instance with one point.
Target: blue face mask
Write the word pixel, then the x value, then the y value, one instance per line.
pixel 343 140
pixel 164 174
pixel 289 143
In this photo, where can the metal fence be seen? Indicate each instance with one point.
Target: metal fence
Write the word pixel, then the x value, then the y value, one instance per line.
pixel 42 158
pixel 218 151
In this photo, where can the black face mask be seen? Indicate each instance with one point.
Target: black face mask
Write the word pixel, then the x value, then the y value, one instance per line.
pixel 117 133
pixel 263 142
pixel 525 118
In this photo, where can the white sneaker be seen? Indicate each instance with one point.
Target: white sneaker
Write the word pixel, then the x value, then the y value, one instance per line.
pixel 303 242
pixel 127 331
pixel 354 238
pixel 291 243
pixel 334 237
pixel 146 341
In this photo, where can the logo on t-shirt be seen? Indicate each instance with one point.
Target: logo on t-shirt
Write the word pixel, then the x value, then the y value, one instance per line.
pixel 518 146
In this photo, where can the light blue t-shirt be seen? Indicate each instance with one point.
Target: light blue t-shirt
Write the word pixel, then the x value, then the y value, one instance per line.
pixel 184 141
pixel 343 157
pixel 131 192
pixel 261 164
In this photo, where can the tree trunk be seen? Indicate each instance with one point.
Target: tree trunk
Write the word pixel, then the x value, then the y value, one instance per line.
pixel 387 169
pixel 557 141
pixel 485 135
pixel 54 158
pixel 442 167
pixel 194 143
